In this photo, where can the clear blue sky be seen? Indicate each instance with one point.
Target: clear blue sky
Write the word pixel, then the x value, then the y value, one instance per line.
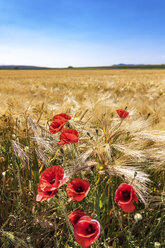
pixel 60 33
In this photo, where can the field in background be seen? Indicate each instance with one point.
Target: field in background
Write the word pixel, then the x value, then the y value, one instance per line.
pixel 132 151
pixel 72 90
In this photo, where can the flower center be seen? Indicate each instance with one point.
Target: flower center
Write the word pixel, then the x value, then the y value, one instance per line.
pixel 126 195
pixel 49 192
pixel 56 124
pixel 90 229
pixel 79 189
pixel 52 181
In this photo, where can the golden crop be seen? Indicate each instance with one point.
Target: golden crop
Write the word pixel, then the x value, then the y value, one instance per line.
pixel 53 91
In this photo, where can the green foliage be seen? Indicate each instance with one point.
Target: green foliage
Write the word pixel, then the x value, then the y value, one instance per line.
pixel 27 223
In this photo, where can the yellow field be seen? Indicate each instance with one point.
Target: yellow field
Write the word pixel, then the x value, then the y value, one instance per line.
pixel 50 92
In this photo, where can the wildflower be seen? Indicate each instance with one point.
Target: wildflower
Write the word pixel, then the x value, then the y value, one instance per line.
pixel 86 231
pixel 125 196
pixel 122 113
pixel 58 122
pixel 68 136
pixel 138 217
pixel 51 179
pixel 75 216
pixel 77 189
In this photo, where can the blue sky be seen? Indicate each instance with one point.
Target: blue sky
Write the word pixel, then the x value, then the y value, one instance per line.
pixel 59 33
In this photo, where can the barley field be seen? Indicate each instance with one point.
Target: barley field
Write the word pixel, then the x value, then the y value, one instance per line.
pixel 104 149
pixel 72 90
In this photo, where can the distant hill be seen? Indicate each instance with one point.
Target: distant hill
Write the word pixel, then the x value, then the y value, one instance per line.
pixel 120 66
pixel 117 66
pixel 139 66
pixel 21 67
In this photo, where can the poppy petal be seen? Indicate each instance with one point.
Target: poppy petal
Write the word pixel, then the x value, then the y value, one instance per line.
pixel 122 113
pixel 128 208
pixel 75 216
pixel 56 126
pixel 39 197
pixel 62 115
pixel 68 136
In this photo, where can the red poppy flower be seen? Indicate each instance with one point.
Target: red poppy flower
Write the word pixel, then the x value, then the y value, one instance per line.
pixel 75 216
pixel 58 122
pixel 125 196
pixel 62 115
pixel 57 125
pixel 50 180
pixel 68 136
pixel 122 113
pixel 77 189
pixel 86 231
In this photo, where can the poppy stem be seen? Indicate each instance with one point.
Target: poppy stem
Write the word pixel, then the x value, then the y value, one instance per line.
pixel 55 231
pixel 129 229
pixel 19 177
pixel 63 209
pixel 115 130
pixel 72 153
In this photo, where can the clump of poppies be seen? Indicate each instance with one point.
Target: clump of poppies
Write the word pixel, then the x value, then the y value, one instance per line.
pixel 86 229
pixel 68 135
